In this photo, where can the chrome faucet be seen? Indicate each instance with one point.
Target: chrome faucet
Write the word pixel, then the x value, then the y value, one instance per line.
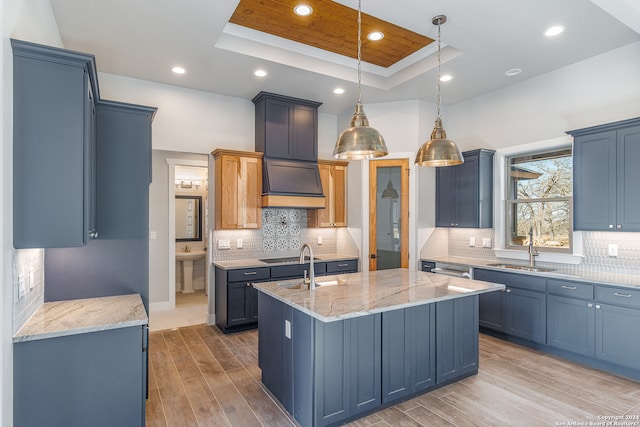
pixel 532 250
pixel 312 278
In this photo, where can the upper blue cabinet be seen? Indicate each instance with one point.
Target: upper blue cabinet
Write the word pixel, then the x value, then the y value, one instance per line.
pixel 606 194
pixel 464 193
pixel 286 128
pixel 53 147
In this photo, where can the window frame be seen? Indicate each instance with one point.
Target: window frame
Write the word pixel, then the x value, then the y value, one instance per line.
pixel 511 202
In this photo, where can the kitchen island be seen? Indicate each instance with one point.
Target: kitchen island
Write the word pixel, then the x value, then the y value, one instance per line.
pixel 363 341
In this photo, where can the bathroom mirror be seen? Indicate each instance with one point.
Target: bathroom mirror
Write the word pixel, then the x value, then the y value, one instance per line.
pixel 188 218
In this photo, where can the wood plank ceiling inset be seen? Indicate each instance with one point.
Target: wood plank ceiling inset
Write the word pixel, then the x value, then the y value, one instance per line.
pixel 332 27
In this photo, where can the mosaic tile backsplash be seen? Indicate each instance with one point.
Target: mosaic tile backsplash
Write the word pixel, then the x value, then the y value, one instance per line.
pixel 283 232
pixel 595 250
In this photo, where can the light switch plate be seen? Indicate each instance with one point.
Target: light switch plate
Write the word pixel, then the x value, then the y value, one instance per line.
pixel 613 250
pixel 239 244
pixel 319 239
pixel 486 242
pixel 32 278
pixel 224 244
pixel 21 286
pixel 153 235
pixel 472 242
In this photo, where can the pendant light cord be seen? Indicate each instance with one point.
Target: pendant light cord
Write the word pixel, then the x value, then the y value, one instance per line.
pixel 359 48
pixel 438 85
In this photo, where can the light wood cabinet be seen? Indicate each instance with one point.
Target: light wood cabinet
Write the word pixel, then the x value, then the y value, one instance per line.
pixel 334 186
pixel 238 187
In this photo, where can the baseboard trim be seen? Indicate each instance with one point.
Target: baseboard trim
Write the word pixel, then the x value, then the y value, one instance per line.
pixel 212 319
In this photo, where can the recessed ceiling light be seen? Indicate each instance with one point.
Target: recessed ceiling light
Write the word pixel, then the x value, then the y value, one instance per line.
pixel 513 72
pixel 303 10
pixel 338 91
pixel 554 31
pixel 446 77
pixel 259 73
pixel 375 36
pixel 178 70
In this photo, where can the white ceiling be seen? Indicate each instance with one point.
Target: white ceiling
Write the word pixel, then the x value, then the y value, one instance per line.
pixel 144 39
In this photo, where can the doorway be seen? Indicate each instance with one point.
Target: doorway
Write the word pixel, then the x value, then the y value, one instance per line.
pixel 389 214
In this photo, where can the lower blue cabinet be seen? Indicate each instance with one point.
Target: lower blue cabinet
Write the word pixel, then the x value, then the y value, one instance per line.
pixel 618 335
pixel 408 351
pixel 456 338
pixel 571 324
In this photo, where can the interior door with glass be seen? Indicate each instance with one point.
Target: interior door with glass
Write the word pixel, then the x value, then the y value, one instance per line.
pixel 389 214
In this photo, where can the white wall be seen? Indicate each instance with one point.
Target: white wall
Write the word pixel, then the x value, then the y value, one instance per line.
pixel 30 20
pixel 601 89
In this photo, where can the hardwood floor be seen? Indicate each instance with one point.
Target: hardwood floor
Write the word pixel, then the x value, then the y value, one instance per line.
pixel 200 377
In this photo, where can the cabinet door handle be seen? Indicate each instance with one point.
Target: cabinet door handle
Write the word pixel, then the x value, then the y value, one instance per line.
pixel 622 295
pixel 343 265
pixel 508 290
pixel 572 288
pixel 250 273
pixel 619 226
pixel 610 225
pixel 590 305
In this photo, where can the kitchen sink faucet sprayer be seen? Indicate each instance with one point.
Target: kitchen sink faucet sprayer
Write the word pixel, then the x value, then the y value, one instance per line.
pixel 532 250
pixel 312 278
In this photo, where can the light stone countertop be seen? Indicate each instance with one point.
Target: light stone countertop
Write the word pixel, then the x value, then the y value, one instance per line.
pixel 253 263
pixel 62 318
pixel 598 278
pixel 363 293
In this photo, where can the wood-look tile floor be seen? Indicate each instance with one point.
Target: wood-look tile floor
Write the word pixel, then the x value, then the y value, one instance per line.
pixel 200 377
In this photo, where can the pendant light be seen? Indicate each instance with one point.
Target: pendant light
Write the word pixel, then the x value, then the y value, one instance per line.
pixel 360 141
pixel 439 151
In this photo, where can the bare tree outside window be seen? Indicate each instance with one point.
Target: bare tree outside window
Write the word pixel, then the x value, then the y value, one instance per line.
pixel 540 197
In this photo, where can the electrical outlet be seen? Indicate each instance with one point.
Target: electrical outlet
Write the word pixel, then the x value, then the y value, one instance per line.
pixel 239 243
pixel 486 242
pixel 224 244
pixel 319 239
pixel 153 235
pixel 287 329
pixel 21 286
pixel 613 250
pixel 472 242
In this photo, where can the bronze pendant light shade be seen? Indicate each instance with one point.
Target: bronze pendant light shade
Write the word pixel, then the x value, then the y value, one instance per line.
pixel 360 141
pixel 439 151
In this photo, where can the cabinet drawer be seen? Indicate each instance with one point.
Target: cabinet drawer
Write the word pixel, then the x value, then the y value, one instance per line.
pixel 427 266
pixel 348 266
pixel 618 296
pixel 515 280
pixel 570 289
pixel 296 270
pixel 248 274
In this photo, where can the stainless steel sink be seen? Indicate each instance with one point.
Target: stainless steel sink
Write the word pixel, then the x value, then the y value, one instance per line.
pixel 286 260
pixel 522 267
pixel 299 284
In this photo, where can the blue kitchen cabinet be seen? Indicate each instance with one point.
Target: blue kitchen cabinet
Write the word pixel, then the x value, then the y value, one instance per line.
pixel 408 351
pixel 571 316
pixel 521 311
pixel 286 127
pixel 54 92
pixel 236 300
pixel 464 193
pixel 89 379
pixel 457 350
pixel 618 326
pixel 605 161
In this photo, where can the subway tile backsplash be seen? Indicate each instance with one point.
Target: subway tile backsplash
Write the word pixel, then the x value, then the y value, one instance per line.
pixel 595 250
pixel 283 233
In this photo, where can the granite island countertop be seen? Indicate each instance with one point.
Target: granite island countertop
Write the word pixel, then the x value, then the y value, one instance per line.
pixel 62 318
pixel 599 278
pixel 254 262
pixel 363 293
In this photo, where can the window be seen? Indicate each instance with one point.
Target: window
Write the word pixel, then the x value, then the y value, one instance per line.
pixel 539 198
